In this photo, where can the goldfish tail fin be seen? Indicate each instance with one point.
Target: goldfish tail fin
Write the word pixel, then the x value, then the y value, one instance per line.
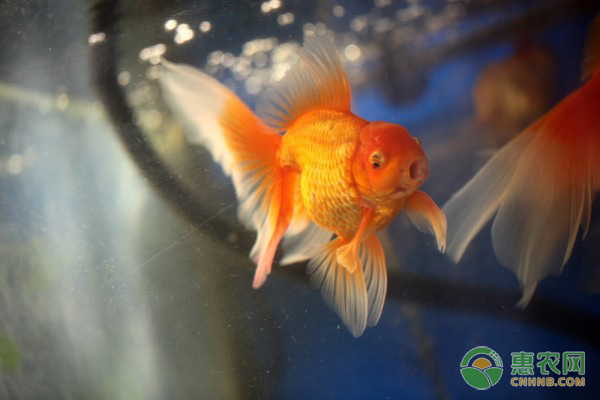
pixel 541 186
pixel 547 200
pixel 317 81
pixel 344 292
pixel 373 259
pixel 591 62
pixel 427 217
pixel 244 146
pixel 357 297
pixel 469 209
pixel 299 244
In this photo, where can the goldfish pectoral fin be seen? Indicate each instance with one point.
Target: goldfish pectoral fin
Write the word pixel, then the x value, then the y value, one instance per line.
pixel 317 81
pixel 344 292
pixel 426 216
pixel 469 209
pixel 373 259
pixel 275 224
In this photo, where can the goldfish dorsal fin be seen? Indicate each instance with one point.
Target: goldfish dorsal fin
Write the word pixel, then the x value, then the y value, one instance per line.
pixel 591 63
pixel 318 80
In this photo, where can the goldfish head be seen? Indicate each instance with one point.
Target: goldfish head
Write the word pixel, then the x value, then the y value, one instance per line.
pixel 389 162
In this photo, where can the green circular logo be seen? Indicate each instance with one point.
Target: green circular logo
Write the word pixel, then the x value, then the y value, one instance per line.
pixel 481 368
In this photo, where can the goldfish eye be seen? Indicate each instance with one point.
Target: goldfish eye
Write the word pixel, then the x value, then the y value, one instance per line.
pixel 376 159
pixel 417 140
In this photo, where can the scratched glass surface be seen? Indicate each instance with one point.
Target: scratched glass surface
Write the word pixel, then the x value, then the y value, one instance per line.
pixel 124 270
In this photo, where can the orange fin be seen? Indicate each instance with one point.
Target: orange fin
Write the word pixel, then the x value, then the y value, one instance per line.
pixel 317 81
pixel 245 147
pixel 426 216
pixel 278 218
pixel 591 62
pixel 343 291
pixel 347 254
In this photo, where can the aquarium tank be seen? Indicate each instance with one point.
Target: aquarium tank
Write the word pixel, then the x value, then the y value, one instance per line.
pixel 124 264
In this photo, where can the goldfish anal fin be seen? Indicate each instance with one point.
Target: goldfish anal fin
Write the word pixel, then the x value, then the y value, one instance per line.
pixel 426 216
pixel 277 221
pixel 317 81
pixel 245 147
pixel 373 261
pixel 344 292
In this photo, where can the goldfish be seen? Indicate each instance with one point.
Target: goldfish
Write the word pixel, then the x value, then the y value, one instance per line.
pixel 308 169
pixel 538 188
pixel 509 94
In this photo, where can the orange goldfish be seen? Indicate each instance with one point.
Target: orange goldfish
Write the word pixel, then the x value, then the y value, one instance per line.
pixel 309 169
pixel 540 186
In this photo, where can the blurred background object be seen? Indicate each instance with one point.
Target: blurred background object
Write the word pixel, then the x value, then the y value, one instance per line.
pixel 511 93
pixel 124 271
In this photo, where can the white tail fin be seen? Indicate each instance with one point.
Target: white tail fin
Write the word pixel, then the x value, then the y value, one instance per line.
pixel 244 146
pixel 541 184
pixel 356 297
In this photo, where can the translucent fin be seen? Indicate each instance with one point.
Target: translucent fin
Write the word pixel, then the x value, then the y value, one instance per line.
pixel 301 245
pixel 373 260
pixel 427 217
pixel 246 148
pixel 317 81
pixel 471 207
pixel 198 100
pixel 542 209
pixel 542 185
pixel 343 291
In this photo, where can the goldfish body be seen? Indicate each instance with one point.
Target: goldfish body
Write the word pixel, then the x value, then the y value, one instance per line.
pixel 540 186
pixel 331 172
